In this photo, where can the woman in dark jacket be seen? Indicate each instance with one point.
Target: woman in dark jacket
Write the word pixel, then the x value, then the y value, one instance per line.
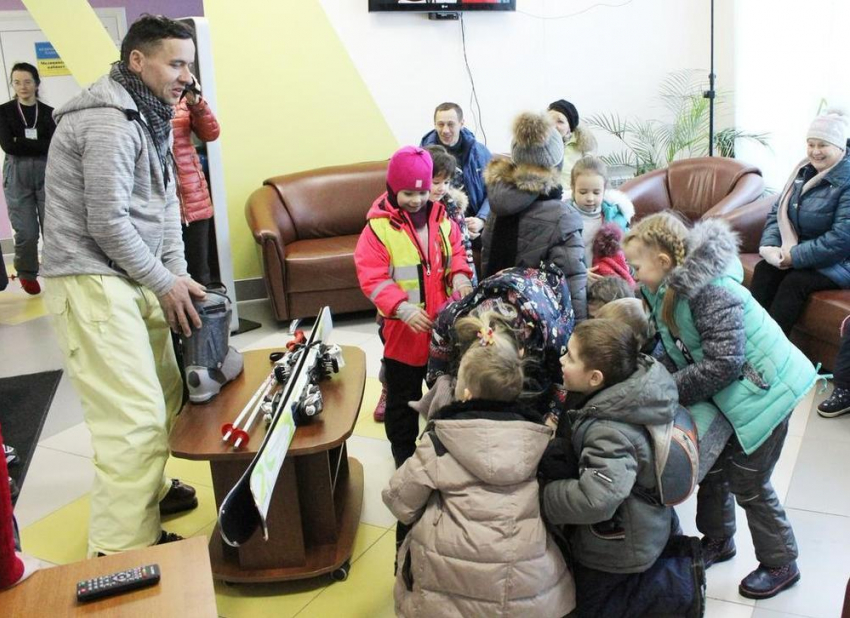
pixel 26 127
pixel 806 239
pixel 529 223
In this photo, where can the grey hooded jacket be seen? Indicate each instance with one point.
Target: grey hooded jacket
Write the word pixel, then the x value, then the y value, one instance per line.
pixel 549 230
pixel 615 530
pixel 107 208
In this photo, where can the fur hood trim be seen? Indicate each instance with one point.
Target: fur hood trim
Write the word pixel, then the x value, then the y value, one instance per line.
pixel 621 201
pixel 527 178
pixel 585 141
pixel 459 198
pixel 712 247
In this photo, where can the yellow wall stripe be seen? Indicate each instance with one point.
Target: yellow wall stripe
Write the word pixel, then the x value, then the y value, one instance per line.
pixel 289 99
pixel 78 36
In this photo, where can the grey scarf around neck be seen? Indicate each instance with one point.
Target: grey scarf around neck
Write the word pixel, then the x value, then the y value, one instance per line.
pixel 157 115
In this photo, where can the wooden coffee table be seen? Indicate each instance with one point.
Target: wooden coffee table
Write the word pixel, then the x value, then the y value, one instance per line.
pixel 315 508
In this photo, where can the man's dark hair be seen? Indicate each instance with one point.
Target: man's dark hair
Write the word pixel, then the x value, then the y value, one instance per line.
pixel 146 32
pixel 444 107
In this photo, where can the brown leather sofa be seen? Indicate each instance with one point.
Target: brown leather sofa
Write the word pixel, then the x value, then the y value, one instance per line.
pixel 817 330
pixel 697 188
pixel 307 225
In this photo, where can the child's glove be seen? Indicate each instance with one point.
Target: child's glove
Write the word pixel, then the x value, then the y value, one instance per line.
pixel 414 317
pixel 461 285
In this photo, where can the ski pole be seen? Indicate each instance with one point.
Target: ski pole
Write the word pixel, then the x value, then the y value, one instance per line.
pixel 243 434
pixel 228 428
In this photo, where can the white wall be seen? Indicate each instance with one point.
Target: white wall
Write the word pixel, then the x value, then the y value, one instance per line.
pixel 789 56
pixel 603 60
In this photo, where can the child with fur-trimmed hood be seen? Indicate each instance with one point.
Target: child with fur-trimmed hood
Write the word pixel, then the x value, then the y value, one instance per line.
pixel 530 223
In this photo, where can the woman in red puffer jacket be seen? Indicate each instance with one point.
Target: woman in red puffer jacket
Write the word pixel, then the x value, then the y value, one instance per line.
pixel 193 115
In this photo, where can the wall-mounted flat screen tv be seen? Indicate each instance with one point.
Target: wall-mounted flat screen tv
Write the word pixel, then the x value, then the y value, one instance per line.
pixel 441 5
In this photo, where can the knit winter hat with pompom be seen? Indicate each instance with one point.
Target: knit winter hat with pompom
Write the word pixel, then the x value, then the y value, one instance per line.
pixel 536 141
pixel 830 127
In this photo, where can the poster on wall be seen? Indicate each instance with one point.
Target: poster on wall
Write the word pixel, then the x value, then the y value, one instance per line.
pixel 49 62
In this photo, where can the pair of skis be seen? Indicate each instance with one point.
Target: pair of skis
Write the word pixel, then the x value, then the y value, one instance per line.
pixel 246 506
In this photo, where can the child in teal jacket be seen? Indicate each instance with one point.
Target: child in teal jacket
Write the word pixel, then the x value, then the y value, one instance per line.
pixel 723 347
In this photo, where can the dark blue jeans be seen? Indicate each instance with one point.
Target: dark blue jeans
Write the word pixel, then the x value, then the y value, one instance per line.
pixel 674 585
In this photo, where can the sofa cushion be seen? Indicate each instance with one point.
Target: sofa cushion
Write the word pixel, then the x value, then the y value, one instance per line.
pixel 321 264
pixel 822 315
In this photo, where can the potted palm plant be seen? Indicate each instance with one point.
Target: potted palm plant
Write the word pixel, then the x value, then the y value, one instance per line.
pixel 653 144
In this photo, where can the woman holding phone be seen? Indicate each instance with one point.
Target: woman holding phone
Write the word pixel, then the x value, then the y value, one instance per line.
pixel 193 115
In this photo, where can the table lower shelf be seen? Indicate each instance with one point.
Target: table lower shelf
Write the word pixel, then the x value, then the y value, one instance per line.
pixel 319 558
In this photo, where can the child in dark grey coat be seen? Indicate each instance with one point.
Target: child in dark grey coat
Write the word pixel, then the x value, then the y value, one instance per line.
pixel 530 223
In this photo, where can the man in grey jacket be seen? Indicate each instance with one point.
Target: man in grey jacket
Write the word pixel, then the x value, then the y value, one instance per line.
pixel 116 278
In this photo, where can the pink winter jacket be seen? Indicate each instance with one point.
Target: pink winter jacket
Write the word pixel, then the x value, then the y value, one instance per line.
pixel 479 546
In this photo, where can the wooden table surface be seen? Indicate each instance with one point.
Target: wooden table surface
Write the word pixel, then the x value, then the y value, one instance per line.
pixel 185 589
pixel 197 431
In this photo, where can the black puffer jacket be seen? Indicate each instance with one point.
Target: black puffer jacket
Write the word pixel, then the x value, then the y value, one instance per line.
pixel 531 225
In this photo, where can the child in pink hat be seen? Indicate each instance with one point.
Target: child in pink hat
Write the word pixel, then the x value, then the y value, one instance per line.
pixel 410 259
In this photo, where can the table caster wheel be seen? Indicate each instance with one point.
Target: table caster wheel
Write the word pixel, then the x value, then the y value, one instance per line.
pixel 341 574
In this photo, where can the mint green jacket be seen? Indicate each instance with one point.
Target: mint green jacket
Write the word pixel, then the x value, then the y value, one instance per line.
pixel 728 349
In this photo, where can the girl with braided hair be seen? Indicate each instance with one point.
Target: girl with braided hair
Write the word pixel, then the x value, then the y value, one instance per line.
pixel 724 349
pixel 478 545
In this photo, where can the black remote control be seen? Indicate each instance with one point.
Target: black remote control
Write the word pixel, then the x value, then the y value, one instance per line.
pixel 117 583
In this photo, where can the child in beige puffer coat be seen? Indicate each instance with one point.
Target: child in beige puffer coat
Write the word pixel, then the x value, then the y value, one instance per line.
pixel 479 546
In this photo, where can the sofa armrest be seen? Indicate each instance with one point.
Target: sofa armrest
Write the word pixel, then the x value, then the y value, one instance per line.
pixel 748 221
pixel 260 211
pixel 747 189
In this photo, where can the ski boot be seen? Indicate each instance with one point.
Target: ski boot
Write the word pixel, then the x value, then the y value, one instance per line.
pixel 209 361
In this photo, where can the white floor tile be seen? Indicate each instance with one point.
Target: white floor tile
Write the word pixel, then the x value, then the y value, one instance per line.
pixel 269 340
pixel 820 428
pixel 74 441
pixel 378 467
pixel 374 350
pixel 66 410
pixel 360 322
pixel 53 480
pixel 760 612
pixel 820 480
pixel 784 470
pixel 800 415
pixel 824 541
pixel 725 609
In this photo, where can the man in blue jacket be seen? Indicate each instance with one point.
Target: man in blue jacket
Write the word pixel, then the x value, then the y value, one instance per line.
pixel 472 157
